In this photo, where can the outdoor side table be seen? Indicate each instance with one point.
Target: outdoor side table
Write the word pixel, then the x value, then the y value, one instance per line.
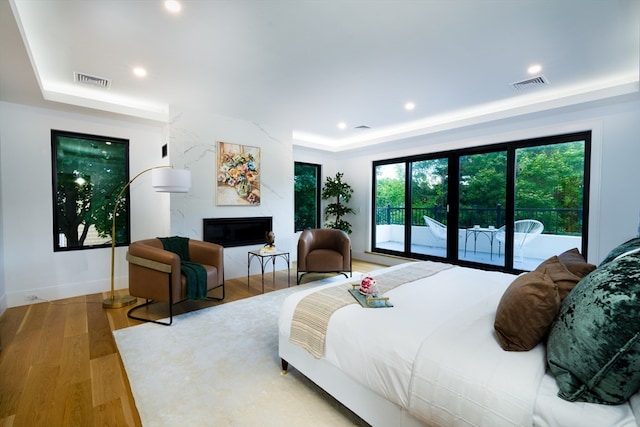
pixel 489 232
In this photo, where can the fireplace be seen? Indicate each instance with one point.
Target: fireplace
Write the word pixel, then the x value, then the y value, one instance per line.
pixel 230 232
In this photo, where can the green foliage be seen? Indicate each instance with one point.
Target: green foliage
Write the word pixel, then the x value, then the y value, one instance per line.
pixel 430 180
pixel 73 205
pixel 305 190
pixel 90 174
pixel 341 191
pixel 547 177
pixel 550 176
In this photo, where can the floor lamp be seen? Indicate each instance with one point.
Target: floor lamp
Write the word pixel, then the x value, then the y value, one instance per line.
pixel 164 179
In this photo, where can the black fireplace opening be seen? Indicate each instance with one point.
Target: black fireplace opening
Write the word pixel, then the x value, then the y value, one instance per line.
pixel 230 232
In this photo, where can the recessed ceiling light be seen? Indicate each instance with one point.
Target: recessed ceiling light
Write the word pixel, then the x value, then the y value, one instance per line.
pixel 342 125
pixel 534 69
pixel 409 106
pixel 173 6
pixel 140 72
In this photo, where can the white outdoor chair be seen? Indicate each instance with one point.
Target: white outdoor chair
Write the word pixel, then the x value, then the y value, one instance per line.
pixel 524 231
pixel 438 230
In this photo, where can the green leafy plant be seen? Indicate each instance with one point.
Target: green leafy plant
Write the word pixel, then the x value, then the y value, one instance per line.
pixel 334 188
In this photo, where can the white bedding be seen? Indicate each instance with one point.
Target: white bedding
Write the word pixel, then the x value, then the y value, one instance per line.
pixel 435 354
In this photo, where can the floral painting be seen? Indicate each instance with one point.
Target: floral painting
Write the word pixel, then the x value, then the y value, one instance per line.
pixel 238 171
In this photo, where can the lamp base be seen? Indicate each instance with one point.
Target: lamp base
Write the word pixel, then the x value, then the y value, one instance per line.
pixel 119 301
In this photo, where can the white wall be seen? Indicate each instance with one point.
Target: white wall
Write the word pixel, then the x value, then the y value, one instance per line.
pixel 615 189
pixel 30 265
pixel 3 290
pixel 194 137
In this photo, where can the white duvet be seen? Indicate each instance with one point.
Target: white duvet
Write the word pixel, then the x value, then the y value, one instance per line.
pixel 435 353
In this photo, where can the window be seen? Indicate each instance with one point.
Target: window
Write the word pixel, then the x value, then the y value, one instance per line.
pixel 512 205
pixel 307 195
pixel 88 173
pixel 389 202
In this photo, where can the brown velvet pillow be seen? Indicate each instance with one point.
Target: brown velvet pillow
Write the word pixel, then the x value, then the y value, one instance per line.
pixel 575 262
pixel 526 310
pixel 560 275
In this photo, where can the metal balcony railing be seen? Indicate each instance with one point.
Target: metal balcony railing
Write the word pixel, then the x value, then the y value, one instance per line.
pixel 556 221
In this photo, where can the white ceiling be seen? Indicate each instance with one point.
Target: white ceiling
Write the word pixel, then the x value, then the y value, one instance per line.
pixel 311 64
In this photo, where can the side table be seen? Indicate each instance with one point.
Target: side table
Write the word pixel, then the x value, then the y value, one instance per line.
pixel 490 232
pixel 264 257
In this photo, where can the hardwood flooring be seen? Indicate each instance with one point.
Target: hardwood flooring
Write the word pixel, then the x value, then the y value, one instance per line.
pixel 59 364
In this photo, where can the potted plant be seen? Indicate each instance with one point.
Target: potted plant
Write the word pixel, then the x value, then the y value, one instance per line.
pixel 341 191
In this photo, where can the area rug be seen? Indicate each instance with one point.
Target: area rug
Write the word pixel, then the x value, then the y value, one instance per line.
pixel 220 367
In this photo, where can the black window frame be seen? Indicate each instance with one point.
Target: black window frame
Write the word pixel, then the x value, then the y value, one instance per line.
pixel 318 191
pixel 453 157
pixel 123 231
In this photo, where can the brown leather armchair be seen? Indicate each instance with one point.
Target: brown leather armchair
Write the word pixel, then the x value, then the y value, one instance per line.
pixel 324 250
pixel 154 273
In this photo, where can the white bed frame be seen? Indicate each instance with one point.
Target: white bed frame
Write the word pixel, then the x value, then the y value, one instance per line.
pixel 368 405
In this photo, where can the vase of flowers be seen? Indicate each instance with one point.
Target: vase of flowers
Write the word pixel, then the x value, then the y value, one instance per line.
pixel 238 170
pixel 243 188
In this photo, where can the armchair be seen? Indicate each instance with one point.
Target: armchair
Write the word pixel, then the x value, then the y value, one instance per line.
pixel 323 250
pixel 155 273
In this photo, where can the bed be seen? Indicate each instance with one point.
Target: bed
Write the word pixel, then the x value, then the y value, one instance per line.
pixel 436 359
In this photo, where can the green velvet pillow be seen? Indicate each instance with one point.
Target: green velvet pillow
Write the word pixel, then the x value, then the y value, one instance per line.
pixel 594 344
pixel 621 249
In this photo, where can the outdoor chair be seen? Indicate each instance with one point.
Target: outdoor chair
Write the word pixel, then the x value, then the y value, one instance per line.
pixel 524 231
pixel 438 230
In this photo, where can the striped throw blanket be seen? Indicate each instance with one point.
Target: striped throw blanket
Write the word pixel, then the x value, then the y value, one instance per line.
pixel 312 314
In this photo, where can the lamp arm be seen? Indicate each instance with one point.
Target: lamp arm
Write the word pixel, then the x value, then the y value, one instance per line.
pixel 113 224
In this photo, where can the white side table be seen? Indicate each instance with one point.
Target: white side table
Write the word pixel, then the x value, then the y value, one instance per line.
pixel 264 257
pixel 475 231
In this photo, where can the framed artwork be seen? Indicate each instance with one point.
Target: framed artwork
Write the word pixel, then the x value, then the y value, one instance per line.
pixel 88 172
pixel 238 175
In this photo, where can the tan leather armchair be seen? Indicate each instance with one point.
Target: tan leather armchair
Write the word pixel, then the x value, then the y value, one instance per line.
pixel 324 250
pixel 154 273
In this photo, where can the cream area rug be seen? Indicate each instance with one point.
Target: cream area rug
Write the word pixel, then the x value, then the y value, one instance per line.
pixel 220 367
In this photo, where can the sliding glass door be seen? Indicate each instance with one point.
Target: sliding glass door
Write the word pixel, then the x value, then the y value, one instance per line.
pixel 389 207
pixel 482 199
pixel 511 206
pixel 548 214
pixel 429 207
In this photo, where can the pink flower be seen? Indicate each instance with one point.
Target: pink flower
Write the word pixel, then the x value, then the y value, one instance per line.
pixel 368 285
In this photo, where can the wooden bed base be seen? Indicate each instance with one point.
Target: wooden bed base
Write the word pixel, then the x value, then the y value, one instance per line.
pixel 368 405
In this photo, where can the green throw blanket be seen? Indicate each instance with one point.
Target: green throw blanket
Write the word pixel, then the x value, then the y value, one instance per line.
pixel 195 273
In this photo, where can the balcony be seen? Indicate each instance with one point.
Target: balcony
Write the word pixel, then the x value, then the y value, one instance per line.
pixel 480 245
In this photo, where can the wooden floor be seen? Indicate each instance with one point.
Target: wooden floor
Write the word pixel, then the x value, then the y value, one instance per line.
pixel 59 364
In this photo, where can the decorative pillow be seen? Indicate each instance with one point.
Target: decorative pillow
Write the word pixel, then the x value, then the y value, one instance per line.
pixel 526 310
pixel 575 262
pixel 559 274
pixel 621 249
pixel 594 344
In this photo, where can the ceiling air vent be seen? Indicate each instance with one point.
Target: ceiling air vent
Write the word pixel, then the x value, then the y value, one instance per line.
pixel 530 83
pixel 88 79
pixel 362 127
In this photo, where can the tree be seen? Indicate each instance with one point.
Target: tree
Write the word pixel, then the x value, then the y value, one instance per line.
pixel 306 189
pixel 74 194
pixel 341 191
